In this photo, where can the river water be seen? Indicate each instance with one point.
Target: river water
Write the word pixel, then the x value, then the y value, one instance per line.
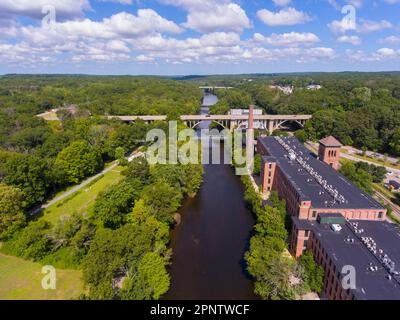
pixel 209 244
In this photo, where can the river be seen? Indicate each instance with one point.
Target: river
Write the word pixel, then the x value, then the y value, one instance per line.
pixel 209 244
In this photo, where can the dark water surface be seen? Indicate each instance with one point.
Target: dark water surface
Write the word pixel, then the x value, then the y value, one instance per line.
pixel 209 244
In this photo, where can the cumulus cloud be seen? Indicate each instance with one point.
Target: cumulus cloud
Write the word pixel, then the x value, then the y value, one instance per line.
pixel 212 15
pixel 391 40
pixel 365 26
pixel 223 17
pixel 354 40
pixel 287 39
pixel 381 54
pixel 65 9
pixel 285 17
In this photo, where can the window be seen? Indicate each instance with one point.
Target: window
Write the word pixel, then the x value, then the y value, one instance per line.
pixel 314 214
pixel 306 233
pixel 380 215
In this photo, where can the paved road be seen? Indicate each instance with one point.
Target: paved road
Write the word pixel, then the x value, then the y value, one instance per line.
pixel 371 154
pixel 83 184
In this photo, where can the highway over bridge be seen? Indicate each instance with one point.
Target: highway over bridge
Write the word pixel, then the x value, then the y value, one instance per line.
pixel 231 122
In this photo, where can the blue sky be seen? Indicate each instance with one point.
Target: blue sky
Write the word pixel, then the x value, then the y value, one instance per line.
pixel 179 37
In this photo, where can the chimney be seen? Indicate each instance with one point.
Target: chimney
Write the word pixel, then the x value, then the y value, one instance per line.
pixel 250 141
pixel 251 117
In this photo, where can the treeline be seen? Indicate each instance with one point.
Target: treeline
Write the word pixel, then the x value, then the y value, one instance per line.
pixel 359 109
pixel 122 244
pixel 268 259
pixel 40 157
pixel 100 95
pixel 65 156
pixel 363 175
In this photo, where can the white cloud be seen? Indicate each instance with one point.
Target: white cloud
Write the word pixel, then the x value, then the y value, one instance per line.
pixel 65 9
pixel 365 26
pixel 354 40
pixel 382 54
pixel 285 17
pixel 282 3
pixel 121 25
pixel 372 26
pixel 212 15
pixel 118 1
pixel 224 17
pixel 287 39
pixel 391 40
pixel 338 5
pixel 341 26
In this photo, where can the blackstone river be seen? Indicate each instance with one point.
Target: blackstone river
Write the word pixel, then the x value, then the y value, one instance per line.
pixel 210 242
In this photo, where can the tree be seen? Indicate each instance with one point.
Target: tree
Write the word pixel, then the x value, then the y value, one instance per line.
pixel 301 135
pixel 120 156
pixel 149 281
pixel 257 165
pixel 113 254
pixel 12 217
pixel 270 268
pixel 313 275
pixel 270 223
pixel 138 168
pixel 186 178
pixel 112 204
pixel 359 177
pixel 77 161
pixel 31 242
pixel 162 200
pixel 28 173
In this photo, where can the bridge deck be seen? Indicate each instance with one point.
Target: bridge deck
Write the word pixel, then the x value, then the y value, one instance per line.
pixel 214 117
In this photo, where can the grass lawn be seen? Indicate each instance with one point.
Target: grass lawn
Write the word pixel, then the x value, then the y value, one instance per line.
pixel 21 280
pixel 82 201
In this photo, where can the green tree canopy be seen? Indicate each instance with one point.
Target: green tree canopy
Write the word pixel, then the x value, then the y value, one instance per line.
pixel 12 216
pixel 77 161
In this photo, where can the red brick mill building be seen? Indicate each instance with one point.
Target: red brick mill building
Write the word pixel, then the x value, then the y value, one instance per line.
pixel 341 224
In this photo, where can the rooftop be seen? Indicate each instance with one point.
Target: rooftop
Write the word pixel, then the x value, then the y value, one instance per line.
pixel 370 247
pixel 313 179
pixel 330 142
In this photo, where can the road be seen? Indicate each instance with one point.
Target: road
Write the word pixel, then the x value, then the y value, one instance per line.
pixel 83 184
pixel 371 154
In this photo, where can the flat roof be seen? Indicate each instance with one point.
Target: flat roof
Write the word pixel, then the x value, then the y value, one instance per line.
pixel 346 248
pixel 308 186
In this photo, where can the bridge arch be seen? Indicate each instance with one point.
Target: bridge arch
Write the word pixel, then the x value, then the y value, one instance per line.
pixel 221 123
pixel 300 123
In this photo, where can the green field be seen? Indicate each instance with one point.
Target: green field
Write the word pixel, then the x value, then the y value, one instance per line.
pixel 82 201
pixel 21 280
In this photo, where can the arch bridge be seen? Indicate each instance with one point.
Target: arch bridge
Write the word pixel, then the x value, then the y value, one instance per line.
pixel 231 122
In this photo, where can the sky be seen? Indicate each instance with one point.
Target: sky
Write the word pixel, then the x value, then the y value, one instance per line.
pixel 183 37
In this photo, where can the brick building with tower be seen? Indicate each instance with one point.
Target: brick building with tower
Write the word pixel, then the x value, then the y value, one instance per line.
pixel 341 224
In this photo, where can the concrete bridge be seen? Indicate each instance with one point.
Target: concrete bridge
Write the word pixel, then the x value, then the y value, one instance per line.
pixel 231 122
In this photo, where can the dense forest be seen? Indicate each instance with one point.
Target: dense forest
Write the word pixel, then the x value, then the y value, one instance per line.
pixel 128 226
pixel 41 157
pixel 359 109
